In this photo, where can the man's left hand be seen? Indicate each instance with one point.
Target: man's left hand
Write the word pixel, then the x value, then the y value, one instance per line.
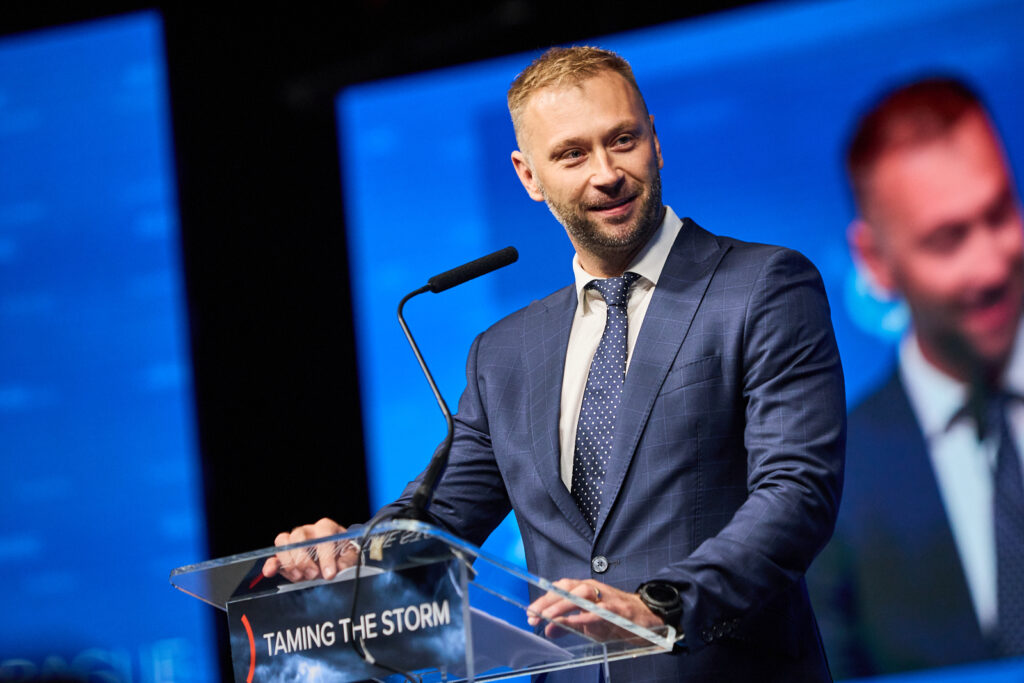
pixel 556 610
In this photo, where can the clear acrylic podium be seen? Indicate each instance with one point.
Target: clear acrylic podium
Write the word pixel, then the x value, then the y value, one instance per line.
pixel 428 607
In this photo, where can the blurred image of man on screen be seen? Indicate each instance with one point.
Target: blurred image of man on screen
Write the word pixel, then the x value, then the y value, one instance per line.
pixel 927 565
pixel 669 428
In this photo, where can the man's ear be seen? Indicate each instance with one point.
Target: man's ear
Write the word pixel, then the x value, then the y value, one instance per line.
pixel 657 144
pixel 868 251
pixel 526 176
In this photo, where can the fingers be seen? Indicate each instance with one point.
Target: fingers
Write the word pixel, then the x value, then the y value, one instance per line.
pixel 538 608
pixel 290 562
pixel 560 613
pixel 329 556
pixel 567 613
pixel 309 562
pixel 281 562
pixel 551 605
pixel 271 566
pixel 301 559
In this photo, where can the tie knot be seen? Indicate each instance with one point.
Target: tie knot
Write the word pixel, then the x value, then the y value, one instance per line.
pixel 615 290
pixel 986 406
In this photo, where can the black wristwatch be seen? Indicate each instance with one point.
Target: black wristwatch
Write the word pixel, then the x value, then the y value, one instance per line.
pixel 662 598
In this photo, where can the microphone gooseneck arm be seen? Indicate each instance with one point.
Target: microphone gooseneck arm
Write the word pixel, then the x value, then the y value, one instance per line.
pixel 417 507
pixel 425 491
pixel 456 276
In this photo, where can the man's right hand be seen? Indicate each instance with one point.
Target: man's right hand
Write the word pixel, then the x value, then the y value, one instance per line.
pixel 304 564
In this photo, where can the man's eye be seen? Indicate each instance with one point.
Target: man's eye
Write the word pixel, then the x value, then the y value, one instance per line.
pixel 624 140
pixel 946 239
pixel 1002 211
pixel 572 154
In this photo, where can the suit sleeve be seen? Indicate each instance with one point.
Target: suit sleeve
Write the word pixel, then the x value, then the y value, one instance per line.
pixel 793 406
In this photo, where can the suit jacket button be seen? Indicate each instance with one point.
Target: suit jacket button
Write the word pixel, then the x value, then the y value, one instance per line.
pixel 599 564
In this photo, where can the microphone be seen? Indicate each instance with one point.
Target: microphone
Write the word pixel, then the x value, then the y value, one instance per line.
pixel 473 269
pixel 424 493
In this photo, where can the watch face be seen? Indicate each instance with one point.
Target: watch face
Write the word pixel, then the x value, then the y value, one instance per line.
pixel 662 593
pixel 663 599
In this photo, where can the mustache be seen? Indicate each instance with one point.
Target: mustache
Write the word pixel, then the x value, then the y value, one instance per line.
pixel 987 296
pixel 612 202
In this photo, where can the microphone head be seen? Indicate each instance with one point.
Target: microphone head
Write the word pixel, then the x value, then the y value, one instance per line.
pixel 473 269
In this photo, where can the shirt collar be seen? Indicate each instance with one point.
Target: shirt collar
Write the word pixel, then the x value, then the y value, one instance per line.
pixel 935 396
pixel 649 263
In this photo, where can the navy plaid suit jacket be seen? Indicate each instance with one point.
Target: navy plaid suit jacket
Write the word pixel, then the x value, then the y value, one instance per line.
pixel 727 464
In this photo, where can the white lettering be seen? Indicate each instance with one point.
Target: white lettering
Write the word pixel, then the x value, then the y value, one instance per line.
pixel 294 639
pixel 369 625
pixel 327 632
pixel 344 628
pixel 412 618
pixel 387 623
pixel 442 613
pixel 301 638
pixel 369 622
pixel 410 537
pixel 312 637
pixel 426 618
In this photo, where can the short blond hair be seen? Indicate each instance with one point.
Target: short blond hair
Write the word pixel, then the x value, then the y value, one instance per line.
pixel 562 66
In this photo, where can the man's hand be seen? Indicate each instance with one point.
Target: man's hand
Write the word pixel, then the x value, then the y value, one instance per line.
pixel 556 609
pixel 305 564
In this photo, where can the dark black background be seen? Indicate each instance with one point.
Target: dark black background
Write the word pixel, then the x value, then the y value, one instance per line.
pixel 262 220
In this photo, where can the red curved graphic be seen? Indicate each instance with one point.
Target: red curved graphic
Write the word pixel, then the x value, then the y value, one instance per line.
pixel 252 649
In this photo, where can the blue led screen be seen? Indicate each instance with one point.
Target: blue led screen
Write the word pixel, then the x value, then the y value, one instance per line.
pixel 752 108
pixel 100 495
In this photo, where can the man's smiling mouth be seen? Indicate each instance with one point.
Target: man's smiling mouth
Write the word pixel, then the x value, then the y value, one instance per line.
pixel 613 205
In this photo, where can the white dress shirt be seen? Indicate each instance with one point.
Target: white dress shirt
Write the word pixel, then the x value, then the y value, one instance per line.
pixel 964 467
pixel 588 326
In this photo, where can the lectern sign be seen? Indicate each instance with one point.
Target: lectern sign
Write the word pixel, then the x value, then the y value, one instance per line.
pixel 407 619
pixel 428 604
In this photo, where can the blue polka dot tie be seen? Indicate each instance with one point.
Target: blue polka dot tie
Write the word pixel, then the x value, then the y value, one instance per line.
pixel 601 399
pixel 1008 511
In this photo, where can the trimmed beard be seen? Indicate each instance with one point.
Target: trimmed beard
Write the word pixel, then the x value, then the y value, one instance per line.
pixel 587 235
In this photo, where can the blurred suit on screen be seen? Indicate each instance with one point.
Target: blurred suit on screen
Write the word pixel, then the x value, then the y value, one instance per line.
pixel 909 580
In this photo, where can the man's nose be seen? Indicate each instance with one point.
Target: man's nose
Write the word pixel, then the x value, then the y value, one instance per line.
pixel 606 174
pixel 995 251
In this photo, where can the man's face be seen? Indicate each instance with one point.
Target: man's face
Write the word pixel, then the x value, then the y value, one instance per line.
pixel 590 152
pixel 943 228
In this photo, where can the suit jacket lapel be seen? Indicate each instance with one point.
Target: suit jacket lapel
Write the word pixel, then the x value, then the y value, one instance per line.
pixel 922 526
pixel 545 339
pixel 681 286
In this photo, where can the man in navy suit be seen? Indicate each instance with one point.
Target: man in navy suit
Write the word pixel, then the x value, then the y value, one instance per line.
pixel 709 472
pixel 911 579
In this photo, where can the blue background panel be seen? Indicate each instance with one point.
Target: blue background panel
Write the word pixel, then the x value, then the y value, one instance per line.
pixel 100 495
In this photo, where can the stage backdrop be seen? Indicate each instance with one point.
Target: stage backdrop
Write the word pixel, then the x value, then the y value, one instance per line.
pixel 100 494
pixel 752 108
